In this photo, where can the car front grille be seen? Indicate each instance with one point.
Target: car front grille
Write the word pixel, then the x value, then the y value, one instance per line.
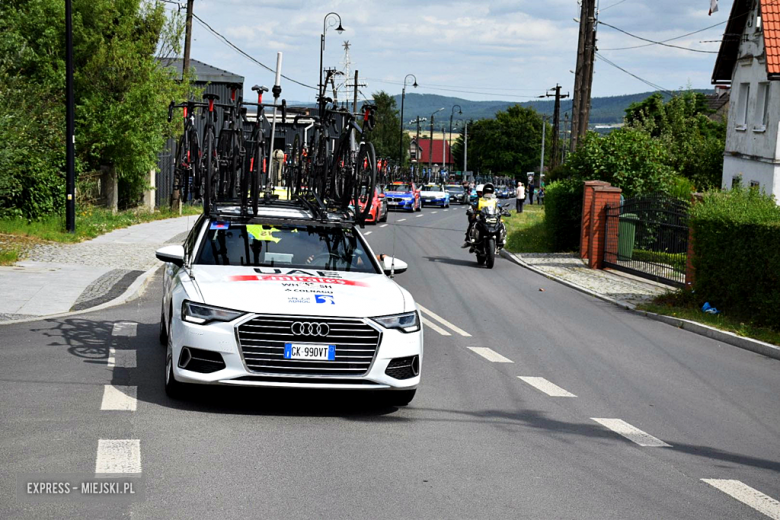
pixel 262 340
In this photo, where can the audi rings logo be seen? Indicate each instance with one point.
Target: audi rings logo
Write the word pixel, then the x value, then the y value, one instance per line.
pixel 300 328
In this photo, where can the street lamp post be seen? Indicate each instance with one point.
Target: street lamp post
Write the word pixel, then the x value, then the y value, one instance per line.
pixel 339 30
pixel 430 145
pixel 418 120
pixel 460 111
pixel 401 144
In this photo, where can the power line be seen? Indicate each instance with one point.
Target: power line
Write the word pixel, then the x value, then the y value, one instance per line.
pixel 422 86
pixel 669 40
pixel 611 6
pixel 652 42
pixel 646 82
pixel 232 45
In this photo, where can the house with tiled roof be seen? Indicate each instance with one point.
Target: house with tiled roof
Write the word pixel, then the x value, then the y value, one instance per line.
pixel 440 151
pixel 749 61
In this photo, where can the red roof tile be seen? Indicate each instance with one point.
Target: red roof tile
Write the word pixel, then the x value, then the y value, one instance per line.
pixel 425 146
pixel 770 15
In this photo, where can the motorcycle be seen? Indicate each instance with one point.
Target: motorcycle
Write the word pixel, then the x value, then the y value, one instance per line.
pixel 488 234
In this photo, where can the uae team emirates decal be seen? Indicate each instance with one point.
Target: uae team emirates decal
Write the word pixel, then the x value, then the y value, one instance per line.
pixel 294 278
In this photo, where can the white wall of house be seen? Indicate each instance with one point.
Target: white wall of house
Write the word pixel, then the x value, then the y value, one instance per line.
pixel 752 153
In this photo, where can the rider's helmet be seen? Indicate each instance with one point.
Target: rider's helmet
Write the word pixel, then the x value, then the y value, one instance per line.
pixel 488 191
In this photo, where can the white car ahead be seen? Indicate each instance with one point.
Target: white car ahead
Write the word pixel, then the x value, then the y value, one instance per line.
pixel 434 195
pixel 285 299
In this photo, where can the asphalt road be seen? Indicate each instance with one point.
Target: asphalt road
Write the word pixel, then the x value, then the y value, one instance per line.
pixel 477 441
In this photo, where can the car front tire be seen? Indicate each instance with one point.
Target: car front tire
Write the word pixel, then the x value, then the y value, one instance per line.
pixel 173 389
pixel 400 397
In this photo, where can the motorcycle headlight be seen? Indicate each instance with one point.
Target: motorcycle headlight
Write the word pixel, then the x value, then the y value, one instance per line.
pixel 203 314
pixel 406 322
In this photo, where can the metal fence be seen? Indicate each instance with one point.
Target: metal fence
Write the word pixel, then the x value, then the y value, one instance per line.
pixel 648 236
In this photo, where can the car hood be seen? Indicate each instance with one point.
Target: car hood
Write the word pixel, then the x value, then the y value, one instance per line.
pixel 300 291
pixel 434 193
pixel 400 193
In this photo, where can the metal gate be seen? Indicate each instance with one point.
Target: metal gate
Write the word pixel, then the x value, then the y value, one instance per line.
pixel 648 237
pixel 164 180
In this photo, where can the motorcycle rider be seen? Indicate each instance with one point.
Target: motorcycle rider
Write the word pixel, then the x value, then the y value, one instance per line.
pixel 486 196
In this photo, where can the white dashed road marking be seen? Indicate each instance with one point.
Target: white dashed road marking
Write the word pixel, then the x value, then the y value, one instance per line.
pixel 125 328
pixel 446 210
pixel 444 322
pixel 383 225
pixel 118 456
pixel 400 220
pixel 631 433
pixel 747 495
pixel 434 212
pixel 418 216
pixel 121 358
pixel 435 327
pixel 490 355
pixel 123 398
pixel 547 387
pixel 367 233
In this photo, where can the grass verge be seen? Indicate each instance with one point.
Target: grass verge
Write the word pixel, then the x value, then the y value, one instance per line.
pixel 90 223
pixel 526 232
pixel 8 256
pixel 683 305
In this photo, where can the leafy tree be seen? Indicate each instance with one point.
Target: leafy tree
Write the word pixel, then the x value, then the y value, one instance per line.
pixel 387 132
pixel 120 91
pixel 508 145
pixel 694 141
pixel 628 158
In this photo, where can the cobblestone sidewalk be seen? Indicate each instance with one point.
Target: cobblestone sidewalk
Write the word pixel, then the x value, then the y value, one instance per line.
pixel 624 288
pixel 57 278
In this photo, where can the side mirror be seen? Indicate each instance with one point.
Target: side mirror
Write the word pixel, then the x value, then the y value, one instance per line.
pixel 381 195
pixel 172 254
pixel 400 265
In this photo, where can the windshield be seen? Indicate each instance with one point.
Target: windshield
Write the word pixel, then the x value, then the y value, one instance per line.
pixel 258 245
pixel 431 188
pixel 400 187
pixel 455 189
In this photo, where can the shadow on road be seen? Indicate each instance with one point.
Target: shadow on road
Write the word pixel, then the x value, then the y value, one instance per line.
pixel 86 339
pixel 564 431
pixel 453 261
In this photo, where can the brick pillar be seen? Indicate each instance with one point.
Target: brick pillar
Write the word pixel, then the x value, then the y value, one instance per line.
pixel 690 272
pixel 602 195
pixel 587 203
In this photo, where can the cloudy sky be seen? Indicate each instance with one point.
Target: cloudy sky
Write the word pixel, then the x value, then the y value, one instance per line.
pixel 479 50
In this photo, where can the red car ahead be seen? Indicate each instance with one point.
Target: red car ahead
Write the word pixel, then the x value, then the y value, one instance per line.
pixel 378 211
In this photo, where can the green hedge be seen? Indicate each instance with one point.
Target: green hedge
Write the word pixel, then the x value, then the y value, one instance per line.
pixel 563 214
pixel 737 254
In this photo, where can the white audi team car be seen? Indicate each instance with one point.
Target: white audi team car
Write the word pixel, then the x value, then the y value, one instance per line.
pixel 291 298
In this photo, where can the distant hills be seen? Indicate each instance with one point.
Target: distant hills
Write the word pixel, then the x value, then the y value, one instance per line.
pixel 604 110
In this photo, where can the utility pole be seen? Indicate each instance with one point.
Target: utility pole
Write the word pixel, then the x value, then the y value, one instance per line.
pixel 541 166
pixel 187 39
pixel 354 102
pixel 70 137
pixel 185 67
pixel 583 79
pixel 430 151
pixel 556 119
pixel 465 150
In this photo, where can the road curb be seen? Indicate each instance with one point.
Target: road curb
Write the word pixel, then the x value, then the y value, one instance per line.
pixel 753 345
pixel 135 290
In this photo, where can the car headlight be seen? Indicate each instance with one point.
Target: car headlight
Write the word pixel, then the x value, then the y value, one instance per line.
pixel 406 322
pixel 204 314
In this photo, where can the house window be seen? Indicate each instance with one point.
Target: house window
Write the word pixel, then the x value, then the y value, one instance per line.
pixel 762 108
pixel 755 184
pixel 742 106
pixel 736 181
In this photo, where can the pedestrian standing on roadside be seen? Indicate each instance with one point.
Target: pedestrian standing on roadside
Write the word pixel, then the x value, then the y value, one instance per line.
pixel 520 197
pixel 530 194
pixel 540 196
